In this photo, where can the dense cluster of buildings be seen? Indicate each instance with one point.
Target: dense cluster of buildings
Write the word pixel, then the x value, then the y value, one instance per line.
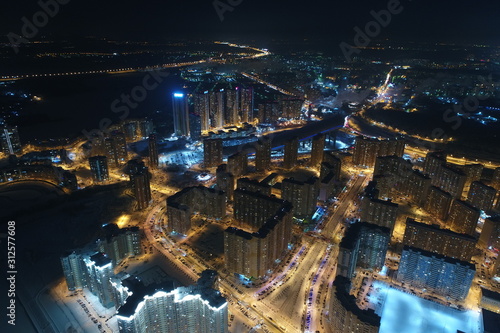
pixel 262 235
pixel 366 150
pixel 263 210
pixel 93 268
pixel 225 107
pixel 282 108
pixel 435 258
pixel 203 200
pixel 113 145
pixel 38 169
pixel 142 308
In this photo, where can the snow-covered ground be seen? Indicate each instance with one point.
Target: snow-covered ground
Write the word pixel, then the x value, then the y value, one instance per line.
pixel 402 312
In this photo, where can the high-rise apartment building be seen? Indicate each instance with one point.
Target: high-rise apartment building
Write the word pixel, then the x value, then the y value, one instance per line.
pixel 490 235
pixel 115 149
pixel 119 243
pixel 10 144
pixel 232 107
pixel 331 163
pixel 253 209
pixel 74 270
pixel 137 129
pixel 263 154
pixel 415 186
pixel 182 205
pixel 194 127
pixel 162 309
pixel 180 109
pixel 290 107
pixel 344 313
pixel 237 164
pixel 291 152
pixel 146 128
pixel 153 151
pixel 212 152
pixel 100 271
pixel 481 196
pixel 441 241
pixel 473 172
pixel 269 112
pixel 253 249
pixel 99 168
pixel 438 203
pixel 317 150
pixel 433 162
pixel 440 274
pixel 450 179
pixel 366 150
pixel 463 217
pixel 202 108
pixel 380 212
pixel 253 185
pixel 140 184
pixel 131 130
pixel 247 104
pixel 224 107
pixel 364 245
pixel 226 181
pixel 302 195
pixel 495 181
pixel 327 186
pixel 393 166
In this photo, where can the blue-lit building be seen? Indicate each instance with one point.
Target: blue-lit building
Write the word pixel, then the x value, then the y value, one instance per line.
pixel 162 309
pixel 443 275
pixel 181 114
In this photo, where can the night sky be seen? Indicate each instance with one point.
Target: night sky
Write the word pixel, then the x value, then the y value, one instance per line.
pixel 456 21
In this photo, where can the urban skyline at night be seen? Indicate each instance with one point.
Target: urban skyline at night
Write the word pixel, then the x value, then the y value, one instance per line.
pixel 232 166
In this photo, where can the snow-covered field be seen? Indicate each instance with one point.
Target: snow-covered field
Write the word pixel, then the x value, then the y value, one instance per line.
pixel 402 312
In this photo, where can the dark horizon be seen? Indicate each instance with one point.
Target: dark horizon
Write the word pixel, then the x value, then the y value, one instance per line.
pixel 416 21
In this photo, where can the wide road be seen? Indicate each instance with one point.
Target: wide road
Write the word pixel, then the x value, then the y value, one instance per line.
pixel 287 302
pixel 344 204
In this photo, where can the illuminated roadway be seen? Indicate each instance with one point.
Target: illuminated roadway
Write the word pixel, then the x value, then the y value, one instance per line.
pixel 262 53
pixel 286 306
pixel 343 206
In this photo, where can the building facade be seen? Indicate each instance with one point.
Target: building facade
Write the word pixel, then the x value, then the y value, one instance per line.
pixel 438 203
pixel 302 195
pixel 99 168
pixel 440 274
pixel 481 196
pixel 180 109
pixel 463 217
pixel 212 152
pixel 161 309
pixel 441 241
